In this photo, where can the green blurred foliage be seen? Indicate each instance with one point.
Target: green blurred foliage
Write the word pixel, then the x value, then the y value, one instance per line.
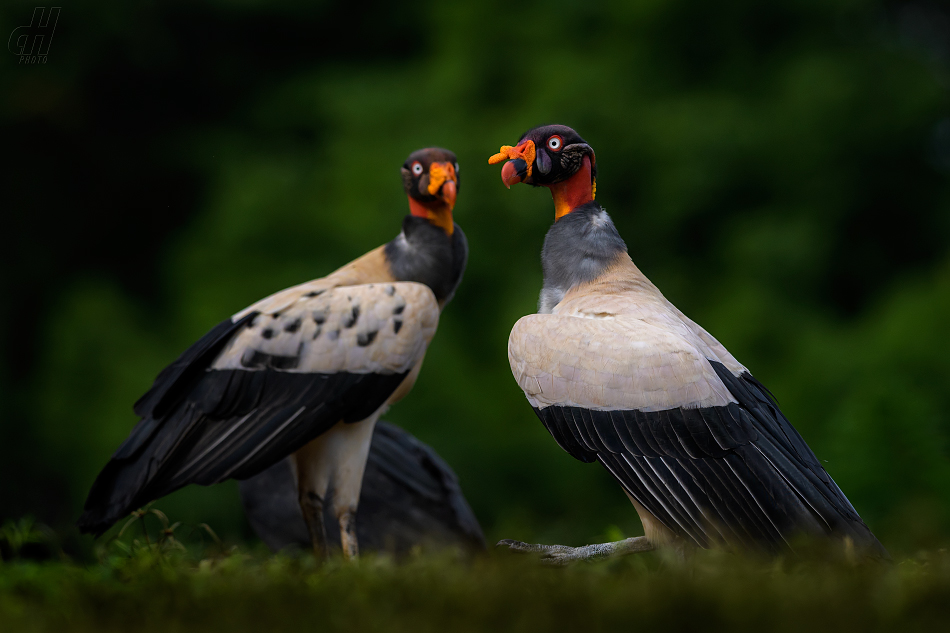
pixel 775 168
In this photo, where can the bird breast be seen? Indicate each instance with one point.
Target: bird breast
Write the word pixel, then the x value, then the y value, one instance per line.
pixel 621 351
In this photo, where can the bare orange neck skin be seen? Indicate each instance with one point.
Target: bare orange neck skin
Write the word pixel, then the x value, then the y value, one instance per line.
pixel 573 192
pixel 438 213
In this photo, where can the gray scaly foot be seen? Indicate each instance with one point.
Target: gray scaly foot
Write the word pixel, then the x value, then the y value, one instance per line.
pixel 564 555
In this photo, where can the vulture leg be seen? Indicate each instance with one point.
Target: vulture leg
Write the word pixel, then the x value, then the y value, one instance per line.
pixel 348 540
pixel 312 483
pixel 312 506
pixel 332 466
pixel 351 452
pixel 563 555
pixel 657 534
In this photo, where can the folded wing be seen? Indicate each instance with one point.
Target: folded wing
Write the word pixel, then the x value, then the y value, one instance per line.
pixel 259 387
pixel 686 430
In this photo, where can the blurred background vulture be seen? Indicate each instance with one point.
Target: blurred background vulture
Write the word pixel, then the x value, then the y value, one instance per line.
pixel 410 498
pixel 618 375
pixel 303 373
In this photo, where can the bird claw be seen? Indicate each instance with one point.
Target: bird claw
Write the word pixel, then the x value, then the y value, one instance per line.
pixel 549 554
pixel 564 555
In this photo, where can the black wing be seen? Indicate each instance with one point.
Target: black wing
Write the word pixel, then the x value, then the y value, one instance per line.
pixel 253 391
pixel 226 424
pixel 738 474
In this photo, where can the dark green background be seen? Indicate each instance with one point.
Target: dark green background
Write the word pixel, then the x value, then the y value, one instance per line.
pixel 779 169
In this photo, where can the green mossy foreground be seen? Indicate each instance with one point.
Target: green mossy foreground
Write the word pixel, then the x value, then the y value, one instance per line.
pixel 242 592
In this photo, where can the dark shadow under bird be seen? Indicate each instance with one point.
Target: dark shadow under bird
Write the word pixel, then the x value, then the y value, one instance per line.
pixel 410 498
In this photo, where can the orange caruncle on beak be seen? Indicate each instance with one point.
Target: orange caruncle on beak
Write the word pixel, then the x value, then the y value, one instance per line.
pixel 443 174
pixel 449 191
pixel 438 212
pixel 509 173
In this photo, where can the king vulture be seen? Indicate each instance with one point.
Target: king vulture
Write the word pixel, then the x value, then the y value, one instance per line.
pixel 305 372
pixel 618 375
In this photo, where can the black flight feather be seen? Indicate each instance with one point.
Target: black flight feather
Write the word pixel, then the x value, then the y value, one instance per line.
pixel 738 475
pixel 204 426
pixel 177 379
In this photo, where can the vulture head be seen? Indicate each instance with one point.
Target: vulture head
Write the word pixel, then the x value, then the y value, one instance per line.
pixel 430 177
pixel 552 156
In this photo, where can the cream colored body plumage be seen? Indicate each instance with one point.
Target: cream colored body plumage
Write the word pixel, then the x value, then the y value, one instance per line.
pixel 616 342
pixel 363 328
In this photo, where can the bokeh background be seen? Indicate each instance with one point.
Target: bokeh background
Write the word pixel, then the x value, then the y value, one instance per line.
pixel 779 169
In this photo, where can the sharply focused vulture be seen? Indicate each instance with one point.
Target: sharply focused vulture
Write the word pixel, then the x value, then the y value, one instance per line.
pixel 618 375
pixel 410 499
pixel 305 372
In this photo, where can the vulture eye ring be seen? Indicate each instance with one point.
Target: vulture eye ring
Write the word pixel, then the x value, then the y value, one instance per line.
pixel 554 143
pixel 456 168
pixel 417 168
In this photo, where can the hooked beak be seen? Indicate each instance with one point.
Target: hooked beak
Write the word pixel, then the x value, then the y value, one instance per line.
pixel 519 165
pixel 443 182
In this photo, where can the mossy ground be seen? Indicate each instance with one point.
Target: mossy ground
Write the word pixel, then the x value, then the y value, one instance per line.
pixel 254 591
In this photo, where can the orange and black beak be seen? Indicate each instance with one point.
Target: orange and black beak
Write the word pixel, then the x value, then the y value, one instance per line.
pixel 443 182
pixel 519 165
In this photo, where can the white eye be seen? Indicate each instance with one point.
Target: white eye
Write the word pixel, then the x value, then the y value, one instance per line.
pixel 417 168
pixel 554 143
pixel 456 168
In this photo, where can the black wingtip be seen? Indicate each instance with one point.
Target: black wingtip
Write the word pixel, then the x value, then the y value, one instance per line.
pixel 91 522
pixel 111 497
